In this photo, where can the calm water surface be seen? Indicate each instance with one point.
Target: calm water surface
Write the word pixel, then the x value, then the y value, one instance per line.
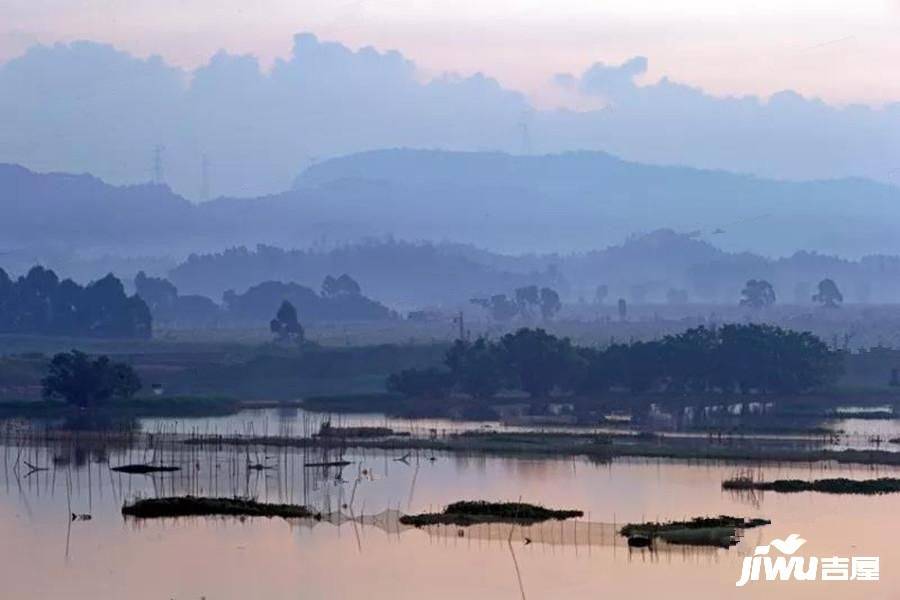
pixel 44 554
pixel 856 434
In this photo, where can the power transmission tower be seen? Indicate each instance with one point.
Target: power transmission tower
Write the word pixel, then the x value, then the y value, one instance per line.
pixel 524 130
pixel 459 320
pixel 204 178
pixel 158 164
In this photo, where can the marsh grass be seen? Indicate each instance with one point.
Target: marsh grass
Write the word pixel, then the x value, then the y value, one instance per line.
pixel 840 485
pixel 184 506
pixel 466 513
pixel 701 531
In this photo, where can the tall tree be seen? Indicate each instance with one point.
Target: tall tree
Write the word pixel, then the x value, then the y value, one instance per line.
pixel 341 286
pixel 286 326
pixel 537 361
pixel 527 298
pixel 85 382
pixel 550 304
pixel 828 295
pixel 758 293
pixel 623 309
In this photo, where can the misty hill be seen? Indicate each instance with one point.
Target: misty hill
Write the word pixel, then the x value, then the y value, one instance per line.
pixel 573 202
pixel 402 274
pixel 581 200
pixel 652 268
pixel 59 208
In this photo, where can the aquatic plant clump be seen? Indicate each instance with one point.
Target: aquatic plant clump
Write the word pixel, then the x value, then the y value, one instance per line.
pixel 144 469
pixel 186 506
pixel 840 485
pixel 700 531
pixel 465 513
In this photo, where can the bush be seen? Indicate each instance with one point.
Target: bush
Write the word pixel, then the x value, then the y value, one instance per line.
pixel 85 382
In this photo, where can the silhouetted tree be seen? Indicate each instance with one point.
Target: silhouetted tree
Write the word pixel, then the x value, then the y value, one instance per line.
pixel 260 301
pixel 733 358
pixel 475 367
pixel 536 360
pixel 342 286
pixel 157 292
pixel 285 325
pixel 501 308
pixel 829 295
pixel 40 303
pixel 527 298
pixel 758 293
pixel 550 304
pixel 85 382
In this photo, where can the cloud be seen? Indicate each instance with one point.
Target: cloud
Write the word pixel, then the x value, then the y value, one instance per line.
pixel 90 107
pixel 615 83
pixel 783 136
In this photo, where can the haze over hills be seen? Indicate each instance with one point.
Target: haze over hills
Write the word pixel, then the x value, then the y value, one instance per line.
pixel 585 200
pixel 86 106
pixel 659 267
pixel 572 202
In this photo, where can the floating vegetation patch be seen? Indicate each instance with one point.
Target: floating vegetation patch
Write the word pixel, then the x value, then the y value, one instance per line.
pixel 328 463
pixel 144 469
pixel 466 513
pixel 187 506
pixel 883 485
pixel 700 531
pixel 327 430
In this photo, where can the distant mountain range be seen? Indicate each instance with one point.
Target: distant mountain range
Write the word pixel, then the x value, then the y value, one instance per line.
pixel 514 204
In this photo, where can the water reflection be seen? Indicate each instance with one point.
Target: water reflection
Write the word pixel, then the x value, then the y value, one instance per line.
pixel 46 554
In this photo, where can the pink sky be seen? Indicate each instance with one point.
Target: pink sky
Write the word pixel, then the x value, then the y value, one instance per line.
pixel 838 50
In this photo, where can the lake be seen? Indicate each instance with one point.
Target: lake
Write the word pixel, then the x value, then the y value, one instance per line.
pixel 45 554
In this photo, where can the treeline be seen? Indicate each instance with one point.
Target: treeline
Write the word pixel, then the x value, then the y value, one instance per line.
pixel 39 303
pixel 729 359
pixel 340 299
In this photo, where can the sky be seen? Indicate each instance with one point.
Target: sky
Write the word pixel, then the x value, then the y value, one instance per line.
pixel 838 50
pixel 245 95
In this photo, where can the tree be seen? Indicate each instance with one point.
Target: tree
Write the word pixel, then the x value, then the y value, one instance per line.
pixel 475 367
pixel 829 295
pixel 550 304
pixel 526 298
pixel 537 361
pixel 40 303
pixel 342 286
pixel 86 382
pixel 500 306
pixel 758 293
pixel 158 293
pixel 260 301
pixel 285 325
